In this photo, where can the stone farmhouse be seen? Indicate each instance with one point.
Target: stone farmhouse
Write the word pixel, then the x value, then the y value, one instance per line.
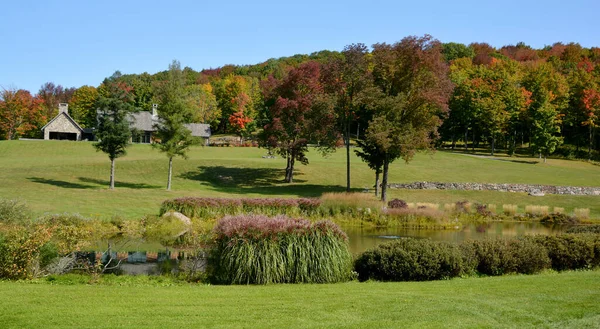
pixel 63 127
pixel 142 124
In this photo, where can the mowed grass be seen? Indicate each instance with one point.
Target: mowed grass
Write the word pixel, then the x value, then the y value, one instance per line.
pixel 561 300
pixel 62 176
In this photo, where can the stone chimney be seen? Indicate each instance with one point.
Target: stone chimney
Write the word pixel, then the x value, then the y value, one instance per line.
pixel 154 111
pixel 63 107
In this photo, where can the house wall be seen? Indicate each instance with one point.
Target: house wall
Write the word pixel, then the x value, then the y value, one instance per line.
pixel 62 124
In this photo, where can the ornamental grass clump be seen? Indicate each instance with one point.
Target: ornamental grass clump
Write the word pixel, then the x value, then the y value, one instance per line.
pixel 350 204
pixel 256 249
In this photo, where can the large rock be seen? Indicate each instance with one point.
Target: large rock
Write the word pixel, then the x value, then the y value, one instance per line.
pixel 536 193
pixel 182 218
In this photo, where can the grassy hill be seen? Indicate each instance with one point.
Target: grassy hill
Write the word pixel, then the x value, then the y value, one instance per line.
pixel 57 176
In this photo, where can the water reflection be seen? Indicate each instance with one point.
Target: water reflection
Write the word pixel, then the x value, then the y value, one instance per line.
pixel 362 238
pixel 148 257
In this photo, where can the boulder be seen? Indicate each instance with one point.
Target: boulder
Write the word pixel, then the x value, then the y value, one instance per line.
pixel 536 193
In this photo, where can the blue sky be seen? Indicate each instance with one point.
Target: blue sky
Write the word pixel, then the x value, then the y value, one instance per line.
pixel 74 43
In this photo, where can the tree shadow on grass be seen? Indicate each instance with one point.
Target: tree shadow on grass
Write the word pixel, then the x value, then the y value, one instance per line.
pixel 118 183
pixel 92 183
pixel 268 181
pixel 59 183
pixel 519 161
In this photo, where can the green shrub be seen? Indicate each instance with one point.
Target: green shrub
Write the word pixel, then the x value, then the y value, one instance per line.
pixel 14 212
pixel 410 260
pixel 571 251
pixel 584 229
pixel 503 256
pixel 256 249
pixel 20 250
pixel 559 218
pixel 70 232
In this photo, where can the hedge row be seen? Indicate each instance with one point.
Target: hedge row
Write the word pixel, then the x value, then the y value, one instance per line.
pixel 420 260
pixel 218 207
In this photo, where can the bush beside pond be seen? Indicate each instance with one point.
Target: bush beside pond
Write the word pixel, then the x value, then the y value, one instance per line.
pixel 410 260
pixel 418 260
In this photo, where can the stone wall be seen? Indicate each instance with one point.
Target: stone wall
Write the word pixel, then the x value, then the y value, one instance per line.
pixel 526 188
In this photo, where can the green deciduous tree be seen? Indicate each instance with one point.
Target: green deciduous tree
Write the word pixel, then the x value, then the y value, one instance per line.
pixel 346 78
pixel 412 89
pixel 203 103
pixel 83 106
pixel 370 153
pixel 112 129
pixel 548 98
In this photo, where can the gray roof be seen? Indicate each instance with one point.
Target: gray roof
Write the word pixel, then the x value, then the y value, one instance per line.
pixel 199 129
pixel 142 121
pixel 145 121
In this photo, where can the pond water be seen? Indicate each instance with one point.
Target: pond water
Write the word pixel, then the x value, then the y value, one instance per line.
pixel 144 257
pixel 363 238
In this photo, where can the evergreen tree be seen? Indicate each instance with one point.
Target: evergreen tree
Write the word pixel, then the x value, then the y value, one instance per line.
pixel 174 138
pixel 112 129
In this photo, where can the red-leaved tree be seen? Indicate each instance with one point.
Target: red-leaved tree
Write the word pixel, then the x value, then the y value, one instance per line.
pixel 19 113
pixel 299 112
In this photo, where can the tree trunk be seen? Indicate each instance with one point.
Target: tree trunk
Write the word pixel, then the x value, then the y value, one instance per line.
pixel 473 146
pixel 377 171
pixel 493 144
pixel 544 158
pixel 170 173
pixel 112 174
pixel 348 156
pixel 291 172
pixel 591 143
pixel 466 139
pixel 514 144
pixel 386 165
pixel 287 167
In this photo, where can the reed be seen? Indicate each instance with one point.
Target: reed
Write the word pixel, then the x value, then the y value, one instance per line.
pixel 450 207
pixel 510 209
pixel 426 205
pixel 582 213
pixel 349 204
pixel 534 210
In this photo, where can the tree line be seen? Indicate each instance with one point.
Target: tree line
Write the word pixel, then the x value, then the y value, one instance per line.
pixel 417 93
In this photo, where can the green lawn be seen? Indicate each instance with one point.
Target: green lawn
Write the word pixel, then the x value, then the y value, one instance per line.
pixel 53 176
pixel 565 300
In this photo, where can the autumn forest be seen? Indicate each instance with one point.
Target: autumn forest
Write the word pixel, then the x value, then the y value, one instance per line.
pixel 416 93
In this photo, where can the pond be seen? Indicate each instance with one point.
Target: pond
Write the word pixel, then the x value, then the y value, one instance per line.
pixel 363 238
pixel 146 257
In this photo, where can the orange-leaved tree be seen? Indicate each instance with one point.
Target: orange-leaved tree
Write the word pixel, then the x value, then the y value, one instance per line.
pixel 19 113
